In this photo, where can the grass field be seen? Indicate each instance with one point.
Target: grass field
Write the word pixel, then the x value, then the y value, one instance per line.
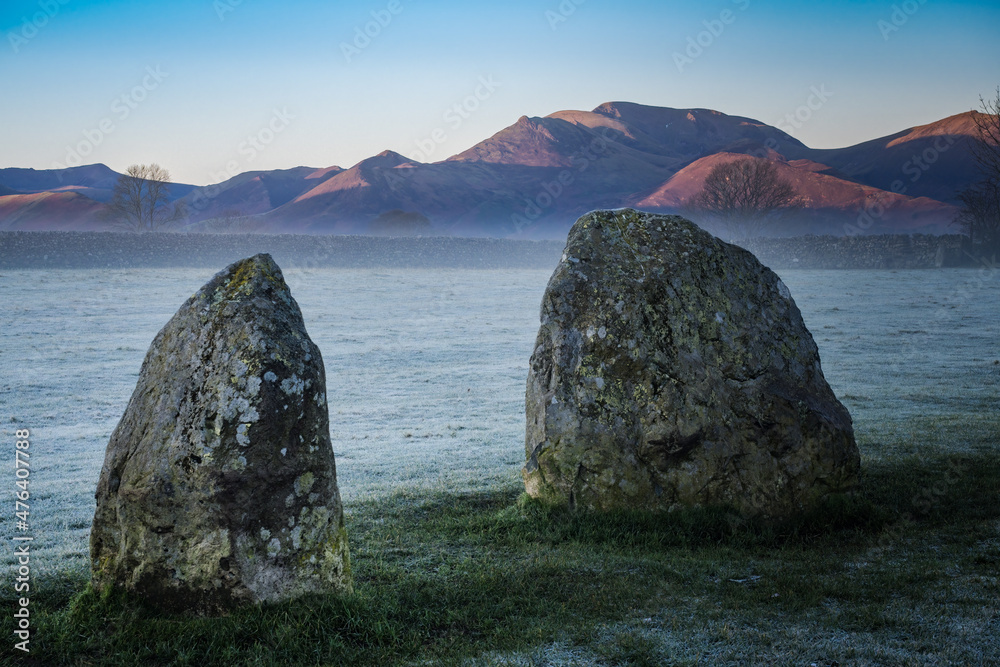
pixel 453 566
pixel 906 573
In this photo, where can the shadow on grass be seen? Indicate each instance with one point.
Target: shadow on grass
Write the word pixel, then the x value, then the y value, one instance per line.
pixel 925 489
pixel 442 577
pixel 930 490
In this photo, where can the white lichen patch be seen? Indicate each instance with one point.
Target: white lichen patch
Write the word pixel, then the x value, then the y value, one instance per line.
pixel 241 463
pixel 234 405
pixel 273 547
pixel 205 452
pixel 270 376
pixel 304 483
pixel 253 385
pixel 293 385
pixel 239 370
pixel 313 527
pixel 241 434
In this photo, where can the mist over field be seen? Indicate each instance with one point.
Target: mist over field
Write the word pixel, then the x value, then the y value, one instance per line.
pixel 426 369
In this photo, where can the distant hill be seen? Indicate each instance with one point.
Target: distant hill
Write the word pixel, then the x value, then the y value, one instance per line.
pixel 253 192
pixel 925 161
pixel 97 176
pixel 49 211
pixel 681 134
pixel 533 178
pixel 830 203
pixel 94 181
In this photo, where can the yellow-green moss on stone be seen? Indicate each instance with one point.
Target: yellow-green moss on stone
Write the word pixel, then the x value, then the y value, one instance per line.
pixel 219 484
pixel 672 369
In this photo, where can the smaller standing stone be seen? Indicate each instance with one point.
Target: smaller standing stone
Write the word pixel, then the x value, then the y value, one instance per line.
pixel 219 486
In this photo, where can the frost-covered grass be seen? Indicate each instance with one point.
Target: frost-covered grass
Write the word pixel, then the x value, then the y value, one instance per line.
pixel 426 375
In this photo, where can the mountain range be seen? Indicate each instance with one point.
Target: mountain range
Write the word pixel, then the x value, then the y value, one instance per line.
pixel 535 177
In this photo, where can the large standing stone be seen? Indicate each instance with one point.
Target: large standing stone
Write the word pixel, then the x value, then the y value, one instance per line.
pixel 674 369
pixel 219 486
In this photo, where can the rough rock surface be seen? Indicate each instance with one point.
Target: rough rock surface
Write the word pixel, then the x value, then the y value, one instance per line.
pixel 219 486
pixel 674 369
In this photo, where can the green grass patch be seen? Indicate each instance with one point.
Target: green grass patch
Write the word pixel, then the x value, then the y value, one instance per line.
pixel 903 572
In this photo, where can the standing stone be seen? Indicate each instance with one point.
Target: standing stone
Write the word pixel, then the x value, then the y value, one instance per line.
pixel 219 486
pixel 674 369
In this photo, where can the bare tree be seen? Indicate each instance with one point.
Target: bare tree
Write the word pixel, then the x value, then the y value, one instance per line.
pixel 745 194
pixel 987 150
pixel 139 200
pixel 979 217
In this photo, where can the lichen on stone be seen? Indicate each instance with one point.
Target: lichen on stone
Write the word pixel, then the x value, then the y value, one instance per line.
pixel 670 369
pixel 209 463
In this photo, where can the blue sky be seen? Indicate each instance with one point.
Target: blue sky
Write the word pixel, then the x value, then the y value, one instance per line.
pixel 210 88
